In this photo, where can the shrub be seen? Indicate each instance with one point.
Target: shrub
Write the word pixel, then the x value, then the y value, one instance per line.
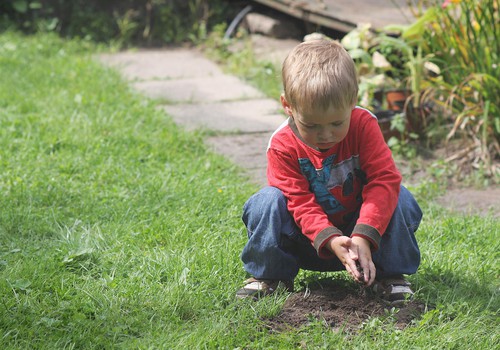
pixel 145 22
pixel 464 38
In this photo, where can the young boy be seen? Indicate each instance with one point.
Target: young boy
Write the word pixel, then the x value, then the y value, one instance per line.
pixel 335 199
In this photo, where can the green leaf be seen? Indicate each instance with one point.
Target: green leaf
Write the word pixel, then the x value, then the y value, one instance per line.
pixel 52 24
pixel 351 40
pixel 21 284
pixel 418 27
pixel 20 6
pixel 393 141
pixel 395 28
pixel 78 255
pixel 35 5
pixel 359 53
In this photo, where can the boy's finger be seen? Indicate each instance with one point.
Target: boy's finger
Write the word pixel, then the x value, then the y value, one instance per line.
pixel 369 273
pixel 361 273
pixel 353 254
pixel 350 266
pixel 373 273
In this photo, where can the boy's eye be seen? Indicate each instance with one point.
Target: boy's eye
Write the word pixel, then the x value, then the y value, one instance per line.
pixel 312 126
pixel 335 124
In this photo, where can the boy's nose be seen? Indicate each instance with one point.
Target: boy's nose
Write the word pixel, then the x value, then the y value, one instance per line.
pixel 325 135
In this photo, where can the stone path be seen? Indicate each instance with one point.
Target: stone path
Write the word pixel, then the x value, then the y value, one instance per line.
pixel 198 95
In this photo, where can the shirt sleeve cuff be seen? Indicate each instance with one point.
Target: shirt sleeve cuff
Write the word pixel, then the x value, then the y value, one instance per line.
pixel 323 238
pixel 368 232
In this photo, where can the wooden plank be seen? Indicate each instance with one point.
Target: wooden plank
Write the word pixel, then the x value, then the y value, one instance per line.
pixel 344 15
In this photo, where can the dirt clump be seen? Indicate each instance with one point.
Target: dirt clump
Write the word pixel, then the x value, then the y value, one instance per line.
pixel 340 305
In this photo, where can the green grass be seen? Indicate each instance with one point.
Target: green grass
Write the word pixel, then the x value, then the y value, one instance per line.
pixel 120 230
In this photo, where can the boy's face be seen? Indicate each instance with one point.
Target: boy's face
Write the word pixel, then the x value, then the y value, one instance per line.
pixel 321 129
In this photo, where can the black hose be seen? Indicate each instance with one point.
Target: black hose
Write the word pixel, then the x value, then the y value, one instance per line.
pixel 237 21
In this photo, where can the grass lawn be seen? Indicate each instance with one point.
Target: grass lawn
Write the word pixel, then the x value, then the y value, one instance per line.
pixel 120 230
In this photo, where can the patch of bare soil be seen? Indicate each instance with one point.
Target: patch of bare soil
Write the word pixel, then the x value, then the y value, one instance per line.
pixel 456 197
pixel 339 305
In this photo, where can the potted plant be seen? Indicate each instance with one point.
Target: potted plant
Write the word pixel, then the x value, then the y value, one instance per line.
pixel 376 79
pixel 371 65
pixel 415 66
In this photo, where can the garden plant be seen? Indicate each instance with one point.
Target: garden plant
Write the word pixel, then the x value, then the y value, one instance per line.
pixel 448 60
pixel 120 23
pixel 465 38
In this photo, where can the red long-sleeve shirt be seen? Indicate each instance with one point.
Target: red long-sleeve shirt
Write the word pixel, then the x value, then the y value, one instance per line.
pixel 325 189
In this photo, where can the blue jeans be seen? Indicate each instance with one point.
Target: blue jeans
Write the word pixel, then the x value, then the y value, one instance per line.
pixel 277 249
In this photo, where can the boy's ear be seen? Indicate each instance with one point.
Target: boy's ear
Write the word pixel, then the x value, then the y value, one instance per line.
pixel 286 106
pixel 354 101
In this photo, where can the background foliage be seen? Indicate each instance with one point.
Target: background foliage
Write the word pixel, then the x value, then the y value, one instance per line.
pixel 464 37
pixel 123 22
pixel 447 60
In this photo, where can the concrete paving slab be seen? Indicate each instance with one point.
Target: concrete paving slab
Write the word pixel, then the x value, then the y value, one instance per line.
pixel 161 64
pixel 246 150
pixel 196 90
pixel 204 97
pixel 272 49
pixel 249 116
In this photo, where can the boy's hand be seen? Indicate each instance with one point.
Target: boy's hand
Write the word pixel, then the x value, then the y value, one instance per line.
pixel 353 251
pixel 364 258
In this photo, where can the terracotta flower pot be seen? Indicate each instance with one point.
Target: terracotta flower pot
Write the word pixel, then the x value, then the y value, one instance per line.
pixel 396 99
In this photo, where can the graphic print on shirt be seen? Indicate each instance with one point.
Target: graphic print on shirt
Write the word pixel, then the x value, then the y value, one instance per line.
pixel 321 181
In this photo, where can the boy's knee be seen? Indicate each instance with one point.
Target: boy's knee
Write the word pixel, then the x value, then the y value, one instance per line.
pixel 271 192
pixel 267 199
pixel 268 196
pixel 409 208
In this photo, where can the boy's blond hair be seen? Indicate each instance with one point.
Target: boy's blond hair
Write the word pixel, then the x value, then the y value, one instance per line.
pixel 317 75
